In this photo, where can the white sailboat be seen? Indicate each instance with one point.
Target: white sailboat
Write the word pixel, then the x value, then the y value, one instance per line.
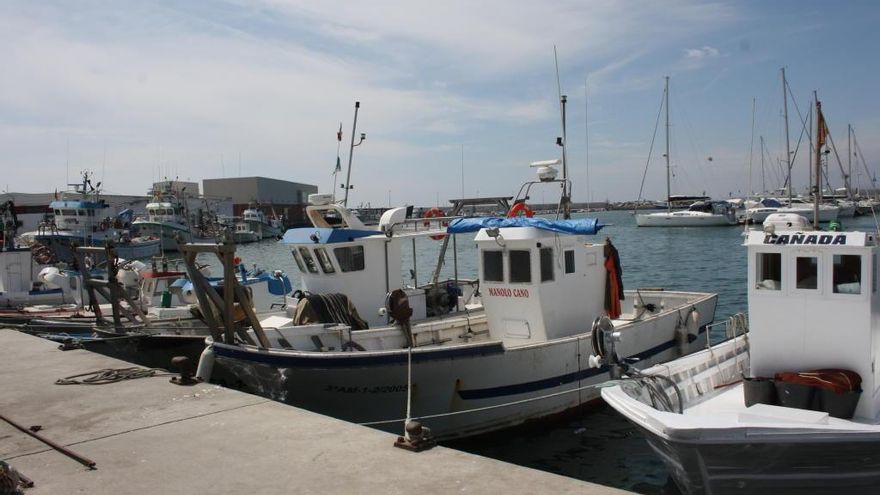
pixel 701 214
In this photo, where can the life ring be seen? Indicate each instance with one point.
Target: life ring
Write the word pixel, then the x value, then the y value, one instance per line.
pixel 432 213
pixel 520 208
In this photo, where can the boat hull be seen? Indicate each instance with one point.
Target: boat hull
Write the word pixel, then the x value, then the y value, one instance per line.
pixel 458 390
pixel 678 219
pixel 791 467
pixel 168 233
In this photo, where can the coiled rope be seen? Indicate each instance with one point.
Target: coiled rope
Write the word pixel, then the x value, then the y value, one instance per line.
pixel 112 375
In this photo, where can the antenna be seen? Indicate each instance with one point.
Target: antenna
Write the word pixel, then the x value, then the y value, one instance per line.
pixel 565 201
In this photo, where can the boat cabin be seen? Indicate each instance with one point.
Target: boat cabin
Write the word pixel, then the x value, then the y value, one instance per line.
pixel 78 215
pixel 164 212
pixel 813 303
pixel 538 285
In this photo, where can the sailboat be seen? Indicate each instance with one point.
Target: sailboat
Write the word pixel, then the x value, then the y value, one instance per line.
pixel 699 214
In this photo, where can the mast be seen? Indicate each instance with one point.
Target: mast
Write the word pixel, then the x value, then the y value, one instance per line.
pixel 565 200
pixel 668 177
pixel 763 181
pixel 787 142
pixel 849 157
pixel 817 189
pixel 357 105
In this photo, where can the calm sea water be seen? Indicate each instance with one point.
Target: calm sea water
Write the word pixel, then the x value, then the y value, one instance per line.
pixel 598 446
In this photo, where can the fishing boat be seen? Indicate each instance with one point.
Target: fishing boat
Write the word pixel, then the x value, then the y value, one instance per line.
pixel 793 405
pixel 79 220
pixel 462 356
pixel 703 213
pixel 262 225
pixel 166 217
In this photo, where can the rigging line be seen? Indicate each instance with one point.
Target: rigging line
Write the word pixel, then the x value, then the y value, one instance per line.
pixel 494 406
pixel 651 149
pixel 862 159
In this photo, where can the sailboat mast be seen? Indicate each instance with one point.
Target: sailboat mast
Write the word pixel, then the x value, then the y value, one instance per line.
pixel 763 180
pixel 787 142
pixel 668 175
pixel 849 157
pixel 817 189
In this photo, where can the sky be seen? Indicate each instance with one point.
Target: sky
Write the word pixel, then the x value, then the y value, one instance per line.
pixel 456 97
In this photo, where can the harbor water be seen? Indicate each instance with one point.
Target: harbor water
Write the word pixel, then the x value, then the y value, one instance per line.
pixel 596 445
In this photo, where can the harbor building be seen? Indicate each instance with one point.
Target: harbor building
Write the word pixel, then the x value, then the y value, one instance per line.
pixel 274 197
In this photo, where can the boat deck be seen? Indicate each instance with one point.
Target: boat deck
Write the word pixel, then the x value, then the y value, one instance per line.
pixel 150 436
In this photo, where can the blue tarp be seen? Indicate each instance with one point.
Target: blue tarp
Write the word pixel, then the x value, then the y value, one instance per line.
pixel 580 226
pixel 126 215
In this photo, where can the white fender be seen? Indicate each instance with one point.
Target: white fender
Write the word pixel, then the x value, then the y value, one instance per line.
pixel 206 364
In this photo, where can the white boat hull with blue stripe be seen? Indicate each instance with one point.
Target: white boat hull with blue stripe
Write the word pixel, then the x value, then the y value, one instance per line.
pixel 509 347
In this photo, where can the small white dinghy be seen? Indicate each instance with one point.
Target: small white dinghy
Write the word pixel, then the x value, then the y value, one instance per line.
pixel 806 418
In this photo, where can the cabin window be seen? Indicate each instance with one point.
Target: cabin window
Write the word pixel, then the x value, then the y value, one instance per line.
pixel 546 264
pixel 69 213
pixel 308 260
pixel 847 273
pixel 493 266
pixel 520 266
pixel 350 259
pixel 299 264
pixel 769 276
pixel 807 272
pixel 91 213
pixel 324 258
pixel 569 261
pixel 57 212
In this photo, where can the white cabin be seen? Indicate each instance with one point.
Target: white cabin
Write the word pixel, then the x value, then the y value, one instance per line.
pixel 538 285
pixel 813 304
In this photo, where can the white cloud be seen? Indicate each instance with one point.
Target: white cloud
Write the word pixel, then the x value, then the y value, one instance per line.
pixel 701 53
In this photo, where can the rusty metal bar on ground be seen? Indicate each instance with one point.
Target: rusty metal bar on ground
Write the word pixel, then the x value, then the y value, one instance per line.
pixel 60 448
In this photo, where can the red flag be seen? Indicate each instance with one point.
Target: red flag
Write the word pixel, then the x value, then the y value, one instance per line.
pixel 823 130
pixel 339 133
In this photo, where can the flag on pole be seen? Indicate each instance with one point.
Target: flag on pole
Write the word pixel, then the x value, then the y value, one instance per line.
pixel 822 136
pixel 338 165
pixel 339 133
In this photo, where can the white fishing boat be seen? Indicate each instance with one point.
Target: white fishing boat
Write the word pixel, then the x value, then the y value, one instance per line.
pixel 508 347
pixel 264 226
pixel 699 214
pixel 79 220
pixel 794 405
pixel 166 217
pixel 243 233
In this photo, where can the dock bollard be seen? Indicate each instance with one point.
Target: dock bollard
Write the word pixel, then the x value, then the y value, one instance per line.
pixel 184 365
pixel 416 439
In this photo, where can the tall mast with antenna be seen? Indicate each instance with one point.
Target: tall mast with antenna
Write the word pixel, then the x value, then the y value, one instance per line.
pixel 565 201
pixel 347 184
pixel 787 142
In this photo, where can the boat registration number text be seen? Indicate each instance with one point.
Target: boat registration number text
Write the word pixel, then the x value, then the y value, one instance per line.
pixel 375 389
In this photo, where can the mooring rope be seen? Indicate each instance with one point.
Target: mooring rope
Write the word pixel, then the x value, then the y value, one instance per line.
pixel 112 375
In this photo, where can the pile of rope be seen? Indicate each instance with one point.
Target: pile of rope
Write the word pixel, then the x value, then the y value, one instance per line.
pixel 111 375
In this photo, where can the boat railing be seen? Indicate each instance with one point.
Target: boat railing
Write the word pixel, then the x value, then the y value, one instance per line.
pixel 734 326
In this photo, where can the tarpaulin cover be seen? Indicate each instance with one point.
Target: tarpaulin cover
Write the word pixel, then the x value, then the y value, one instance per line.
pixel 580 226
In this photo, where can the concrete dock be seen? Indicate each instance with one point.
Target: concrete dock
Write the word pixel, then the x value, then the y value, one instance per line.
pixel 150 436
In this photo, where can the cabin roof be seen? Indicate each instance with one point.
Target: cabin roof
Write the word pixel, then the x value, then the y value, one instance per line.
pixel 312 235
pixel 77 204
